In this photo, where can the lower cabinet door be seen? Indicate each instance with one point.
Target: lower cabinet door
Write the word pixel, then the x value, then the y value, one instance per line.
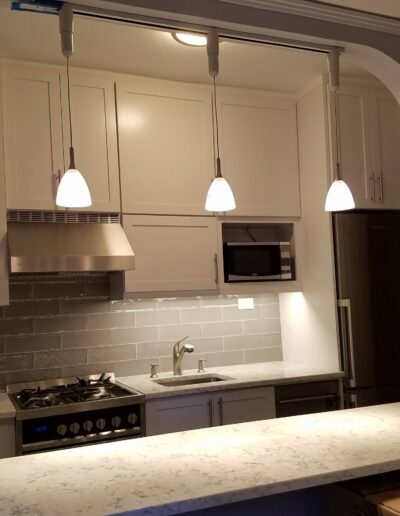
pixel 178 413
pixel 242 405
pixel 7 438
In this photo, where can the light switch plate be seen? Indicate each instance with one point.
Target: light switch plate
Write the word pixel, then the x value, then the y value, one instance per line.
pixel 246 303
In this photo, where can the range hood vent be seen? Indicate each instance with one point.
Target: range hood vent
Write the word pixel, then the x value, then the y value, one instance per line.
pixel 48 242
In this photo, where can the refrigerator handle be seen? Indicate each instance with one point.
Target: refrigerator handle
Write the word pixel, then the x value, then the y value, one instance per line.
pixel 347 340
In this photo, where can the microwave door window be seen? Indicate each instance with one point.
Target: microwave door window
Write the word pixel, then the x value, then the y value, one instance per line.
pixel 256 261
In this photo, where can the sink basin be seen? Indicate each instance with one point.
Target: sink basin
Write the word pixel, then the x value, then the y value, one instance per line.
pixel 176 381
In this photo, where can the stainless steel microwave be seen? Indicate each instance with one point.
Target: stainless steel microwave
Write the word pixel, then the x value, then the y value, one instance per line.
pixel 257 261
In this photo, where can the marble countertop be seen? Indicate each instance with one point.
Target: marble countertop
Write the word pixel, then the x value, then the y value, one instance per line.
pixel 7 409
pixel 174 473
pixel 249 375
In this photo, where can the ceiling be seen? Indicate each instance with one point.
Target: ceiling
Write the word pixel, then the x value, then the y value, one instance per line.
pixel 384 7
pixel 129 49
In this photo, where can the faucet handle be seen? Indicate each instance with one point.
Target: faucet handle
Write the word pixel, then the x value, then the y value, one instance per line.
pixel 153 370
pixel 200 367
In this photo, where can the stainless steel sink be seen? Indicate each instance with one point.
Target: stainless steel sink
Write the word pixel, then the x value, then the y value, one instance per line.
pixel 191 380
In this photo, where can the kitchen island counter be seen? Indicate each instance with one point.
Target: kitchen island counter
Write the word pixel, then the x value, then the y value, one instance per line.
pixel 240 376
pixel 175 473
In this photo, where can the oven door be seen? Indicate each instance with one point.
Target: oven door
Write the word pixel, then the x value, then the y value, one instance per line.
pixel 252 261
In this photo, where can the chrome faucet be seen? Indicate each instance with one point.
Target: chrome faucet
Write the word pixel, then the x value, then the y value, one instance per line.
pixel 177 354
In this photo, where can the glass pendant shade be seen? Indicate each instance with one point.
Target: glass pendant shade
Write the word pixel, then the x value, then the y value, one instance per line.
pixel 73 192
pixel 339 197
pixel 220 196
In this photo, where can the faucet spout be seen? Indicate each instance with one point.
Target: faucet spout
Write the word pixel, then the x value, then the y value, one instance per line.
pixel 177 355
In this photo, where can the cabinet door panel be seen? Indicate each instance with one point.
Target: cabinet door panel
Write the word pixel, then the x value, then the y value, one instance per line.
pixel 7 440
pixel 386 130
pixel 165 132
pixel 178 414
pixel 239 406
pixel 172 253
pixel 32 136
pixel 259 153
pixel 355 144
pixel 94 136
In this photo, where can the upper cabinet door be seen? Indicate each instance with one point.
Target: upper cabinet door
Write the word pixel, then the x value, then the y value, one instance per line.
pixel 166 146
pixel 385 114
pixel 355 143
pixel 172 253
pixel 32 136
pixel 259 158
pixel 94 135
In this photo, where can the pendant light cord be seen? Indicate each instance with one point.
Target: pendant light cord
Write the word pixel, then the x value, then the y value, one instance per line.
pixel 338 176
pixel 69 104
pixel 216 117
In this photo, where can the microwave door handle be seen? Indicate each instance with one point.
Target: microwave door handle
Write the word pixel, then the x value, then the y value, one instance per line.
pixel 347 344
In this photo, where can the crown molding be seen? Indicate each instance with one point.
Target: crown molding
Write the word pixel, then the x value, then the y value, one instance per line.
pixel 329 13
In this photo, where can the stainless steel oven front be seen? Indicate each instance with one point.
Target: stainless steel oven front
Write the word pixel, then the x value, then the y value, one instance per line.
pixel 85 423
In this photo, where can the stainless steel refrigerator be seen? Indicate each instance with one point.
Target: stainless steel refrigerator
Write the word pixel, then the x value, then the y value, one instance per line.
pixel 367 256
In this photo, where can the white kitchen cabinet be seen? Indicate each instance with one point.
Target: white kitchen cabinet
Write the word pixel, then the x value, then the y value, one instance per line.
pixel 36 135
pixel 7 438
pixel 33 144
pixel 209 409
pixel 165 145
pixel 369 120
pixel 385 123
pixel 355 143
pixel 94 135
pixel 172 253
pixel 258 134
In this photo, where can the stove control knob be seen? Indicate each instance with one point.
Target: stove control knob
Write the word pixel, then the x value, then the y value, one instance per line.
pixel 74 427
pixel 132 418
pixel 87 425
pixel 62 429
pixel 101 423
pixel 116 421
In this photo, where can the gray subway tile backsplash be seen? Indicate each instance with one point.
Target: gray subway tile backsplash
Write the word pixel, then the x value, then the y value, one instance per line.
pixel 66 326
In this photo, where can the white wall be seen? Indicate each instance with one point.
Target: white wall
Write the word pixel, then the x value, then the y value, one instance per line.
pixel 308 318
pixel 4 297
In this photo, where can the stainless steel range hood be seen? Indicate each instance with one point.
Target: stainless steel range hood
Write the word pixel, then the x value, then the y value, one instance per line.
pixel 37 247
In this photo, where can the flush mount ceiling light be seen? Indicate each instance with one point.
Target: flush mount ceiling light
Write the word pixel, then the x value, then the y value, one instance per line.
pixel 339 196
pixel 219 196
pixel 73 191
pixel 190 38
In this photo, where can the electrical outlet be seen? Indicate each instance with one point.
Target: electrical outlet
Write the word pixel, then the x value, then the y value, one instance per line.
pixel 246 303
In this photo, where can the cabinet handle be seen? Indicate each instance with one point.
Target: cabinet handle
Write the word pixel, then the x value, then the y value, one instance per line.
pixel 216 268
pixel 372 178
pixel 210 412
pixel 381 186
pixel 332 397
pixel 221 412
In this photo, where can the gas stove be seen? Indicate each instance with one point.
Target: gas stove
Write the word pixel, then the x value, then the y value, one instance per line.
pixel 72 411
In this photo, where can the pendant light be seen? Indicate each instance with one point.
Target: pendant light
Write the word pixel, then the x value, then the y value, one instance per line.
pixel 73 191
pixel 339 197
pixel 219 196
